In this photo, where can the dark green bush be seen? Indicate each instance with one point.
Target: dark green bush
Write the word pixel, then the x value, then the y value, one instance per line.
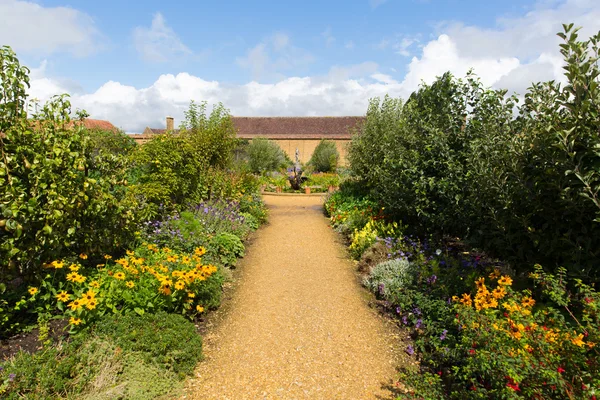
pixel 326 157
pixel 125 356
pixel 456 160
pixel 265 155
pixel 60 194
pixel 168 340
pixel 228 247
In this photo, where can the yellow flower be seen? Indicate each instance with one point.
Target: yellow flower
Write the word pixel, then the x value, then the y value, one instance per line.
pixel 123 262
pixel 165 288
pixel 499 292
pixel 72 276
pixel 95 284
pixel 57 264
pixel 74 267
pixel 199 251
pixel 90 295
pixel 578 341
pixel 466 300
pixel 191 295
pixel 172 258
pixel 32 290
pixel 74 321
pixel 129 253
pixel 80 279
pixel 199 308
pixel 63 296
pixel 107 256
pixel 480 282
pixel 91 304
pixel 505 280
pixel 495 274
pixel 179 285
pixel 83 256
pixel 130 284
pixel 527 301
pixel 455 298
pixel 186 260
pixel 76 304
pixel 166 250
pixel 120 275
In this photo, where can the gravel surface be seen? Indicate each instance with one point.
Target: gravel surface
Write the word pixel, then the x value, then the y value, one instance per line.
pixel 298 325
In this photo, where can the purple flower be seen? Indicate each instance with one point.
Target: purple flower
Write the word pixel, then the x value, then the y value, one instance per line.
pixel 443 335
pixel 405 320
pixel 12 377
pixel 419 323
pixel 417 311
pixel 410 350
pixel 381 288
pixel 398 311
pixel 205 210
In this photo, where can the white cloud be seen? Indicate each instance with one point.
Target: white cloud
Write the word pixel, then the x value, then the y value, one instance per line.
pixel 273 56
pixel 159 43
pixel 29 27
pixel 343 90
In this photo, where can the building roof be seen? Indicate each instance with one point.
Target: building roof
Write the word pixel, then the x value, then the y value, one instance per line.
pixel 158 131
pixel 96 124
pixel 296 127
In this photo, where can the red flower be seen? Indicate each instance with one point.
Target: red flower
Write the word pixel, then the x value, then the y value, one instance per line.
pixel 472 351
pixel 439 373
pixel 553 387
pixel 588 300
pixel 514 386
pixel 560 370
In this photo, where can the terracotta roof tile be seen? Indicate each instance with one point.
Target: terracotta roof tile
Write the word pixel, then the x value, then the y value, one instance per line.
pixel 96 124
pixel 296 127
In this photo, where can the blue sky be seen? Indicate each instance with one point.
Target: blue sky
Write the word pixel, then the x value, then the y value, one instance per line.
pixel 135 62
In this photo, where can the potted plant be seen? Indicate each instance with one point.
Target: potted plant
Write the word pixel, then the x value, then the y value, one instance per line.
pixel 307 189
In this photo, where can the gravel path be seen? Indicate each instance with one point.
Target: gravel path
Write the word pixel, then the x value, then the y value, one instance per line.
pixel 298 326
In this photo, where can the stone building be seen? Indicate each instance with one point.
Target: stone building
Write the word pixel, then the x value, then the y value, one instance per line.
pixel 290 133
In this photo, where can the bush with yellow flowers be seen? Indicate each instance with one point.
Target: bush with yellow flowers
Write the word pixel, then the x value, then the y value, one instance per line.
pixel 508 344
pixel 149 279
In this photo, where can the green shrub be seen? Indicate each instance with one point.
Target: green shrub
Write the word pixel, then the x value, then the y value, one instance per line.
pixel 129 357
pixel 167 340
pixel 453 160
pixel 388 277
pixel 265 155
pixel 59 194
pixel 325 157
pixel 228 247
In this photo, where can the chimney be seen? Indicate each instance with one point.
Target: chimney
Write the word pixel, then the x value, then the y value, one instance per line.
pixel 170 123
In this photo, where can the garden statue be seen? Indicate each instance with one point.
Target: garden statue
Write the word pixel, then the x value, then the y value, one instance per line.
pixel 295 173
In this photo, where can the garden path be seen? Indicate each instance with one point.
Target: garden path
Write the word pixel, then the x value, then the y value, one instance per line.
pixel 298 326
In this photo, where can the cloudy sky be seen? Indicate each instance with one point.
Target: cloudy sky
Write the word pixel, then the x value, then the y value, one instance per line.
pixel 133 63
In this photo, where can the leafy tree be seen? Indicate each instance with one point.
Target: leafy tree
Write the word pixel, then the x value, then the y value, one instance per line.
pixel 265 155
pixel 326 157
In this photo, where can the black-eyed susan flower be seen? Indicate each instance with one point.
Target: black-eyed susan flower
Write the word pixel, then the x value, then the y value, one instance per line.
pixel 499 292
pixel 199 308
pixel 63 296
pixel 191 295
pixel 91 304
pixel 32 290
pixel 130 284
pixel 89 295
pixel 179 285
pixel 57 264
pixel 95 284
pixel 83 256
pixel 120 276
pixel 466 299
pixel 107 256
pixel 72 276
pixel 505 280
pixel 74 267
pixel 75 321
pixel 80 278
pixel 527 301
pixel 76 304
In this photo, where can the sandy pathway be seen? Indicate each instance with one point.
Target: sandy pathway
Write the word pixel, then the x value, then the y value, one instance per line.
pixel 298 326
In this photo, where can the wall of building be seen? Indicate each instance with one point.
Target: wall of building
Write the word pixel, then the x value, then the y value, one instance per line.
pixel 306 147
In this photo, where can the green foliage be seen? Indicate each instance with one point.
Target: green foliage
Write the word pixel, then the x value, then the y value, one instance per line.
pixel 454 160
pixel 168 340
pixel 174 170
pixel 129 357
pixel 265 155
pixel 60 195
pixel 325 157
pixel 389 277
pixel 228 247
